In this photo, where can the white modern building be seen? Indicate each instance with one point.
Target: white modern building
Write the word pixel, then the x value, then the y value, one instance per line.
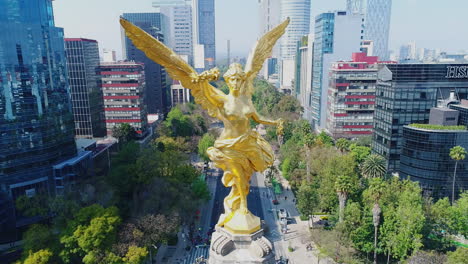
pixel 337 35
pixel 178 18
pixel 269 17
pixel 303 78
pixel 377 26
pixel 299 13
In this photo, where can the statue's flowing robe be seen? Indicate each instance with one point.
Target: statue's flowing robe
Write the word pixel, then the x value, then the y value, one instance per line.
pixel 250 151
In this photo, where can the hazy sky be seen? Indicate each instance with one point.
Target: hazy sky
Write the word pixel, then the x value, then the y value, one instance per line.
pixel 431 23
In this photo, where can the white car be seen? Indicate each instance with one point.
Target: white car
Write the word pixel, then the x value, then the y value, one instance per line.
pixel 282 213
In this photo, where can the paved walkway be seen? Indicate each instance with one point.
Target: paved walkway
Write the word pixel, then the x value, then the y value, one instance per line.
pixel 297 236
pixel 178 253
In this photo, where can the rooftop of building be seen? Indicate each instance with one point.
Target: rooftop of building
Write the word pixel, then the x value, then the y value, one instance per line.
pixel 80 39
pixel 431 127
pixel 70 162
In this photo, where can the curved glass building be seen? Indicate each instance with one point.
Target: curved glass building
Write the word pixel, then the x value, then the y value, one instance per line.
pixel 36 121
pixel 425 158
pixel 299 13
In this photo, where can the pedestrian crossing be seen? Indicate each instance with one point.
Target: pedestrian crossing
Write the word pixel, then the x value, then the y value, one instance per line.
pixel 196 252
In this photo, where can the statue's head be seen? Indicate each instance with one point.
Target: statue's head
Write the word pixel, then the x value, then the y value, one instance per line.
pixel 235 77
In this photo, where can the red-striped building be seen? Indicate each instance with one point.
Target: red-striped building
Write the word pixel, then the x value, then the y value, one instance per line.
pixel 123 88
pixel 351 96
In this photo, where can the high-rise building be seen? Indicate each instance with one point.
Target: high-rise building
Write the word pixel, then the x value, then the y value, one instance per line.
pixel 157 94
pixel 351 96
pixel 355 6
pixel 36 120
pixel 109 55
pixel 123 86
pixel 408 53
pixel 299 13
pixel 405 94
pixel 269 17
pixel 86 95
pixel 204 30
pixel 425 155
pixel 377 26
pixel 337 36
pixel 178 14
pixel 303 77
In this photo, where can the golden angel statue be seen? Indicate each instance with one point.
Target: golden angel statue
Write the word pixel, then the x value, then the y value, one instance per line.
pixel 239 151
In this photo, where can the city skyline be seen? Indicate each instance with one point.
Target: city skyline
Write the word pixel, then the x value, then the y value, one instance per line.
pixel 406 25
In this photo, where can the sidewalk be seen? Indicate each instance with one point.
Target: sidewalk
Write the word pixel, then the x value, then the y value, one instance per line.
pixel 297 236
pixel 178 253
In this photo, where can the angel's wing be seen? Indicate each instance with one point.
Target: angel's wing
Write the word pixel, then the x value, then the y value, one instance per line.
pixel 206 95
pixel 263 49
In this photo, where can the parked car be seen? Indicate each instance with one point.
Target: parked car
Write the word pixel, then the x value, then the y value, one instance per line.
pixel 282 213
pixel 275 202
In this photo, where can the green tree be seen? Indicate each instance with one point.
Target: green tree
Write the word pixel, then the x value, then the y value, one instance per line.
pixel 457 153
pixel 307 199
pixel 179 123
pixel 343 186
pixel 342 144
pixel 135 255
pixel 90 234
pixel 36 238
pixel 460 215
pixel 32 206
pixel 324 139
pixel 40 257
pixel 205 142
pixel 401 231
pixel 200 189
pixel 359 153
pixel 124 132
pixel 373 195
pixel 373 167
pixel 309 141
pixel 458 256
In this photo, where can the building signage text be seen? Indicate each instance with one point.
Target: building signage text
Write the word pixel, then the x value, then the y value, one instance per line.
pixel 457 72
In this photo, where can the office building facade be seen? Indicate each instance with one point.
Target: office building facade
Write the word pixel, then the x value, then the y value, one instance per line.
pixel 204 30
pixel 425 158
pixel 178 17
pixel 303 77
pixel 299 13
pixel 36 120
pixel 86 95
pixel 377 26
pixel 123 86
pixel 351 97
pixel 405 94
pixel 337 36
pixel 156 84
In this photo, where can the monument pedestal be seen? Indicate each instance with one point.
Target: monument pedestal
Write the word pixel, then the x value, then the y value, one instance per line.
pixel 229 248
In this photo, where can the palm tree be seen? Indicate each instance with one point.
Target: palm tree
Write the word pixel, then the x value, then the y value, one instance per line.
pixel 309 141
pixel 457 153
pixel 373 167
pixel 374 192
pixel 342 144
pixel 343 186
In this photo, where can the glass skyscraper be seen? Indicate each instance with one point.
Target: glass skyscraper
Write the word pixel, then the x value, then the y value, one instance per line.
pixel 337 36
pixel 86 95
pixel 299 13
pixel 405 94
pixel 36 121
pixel 205 29
pixel 156 99
pixel 377 26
